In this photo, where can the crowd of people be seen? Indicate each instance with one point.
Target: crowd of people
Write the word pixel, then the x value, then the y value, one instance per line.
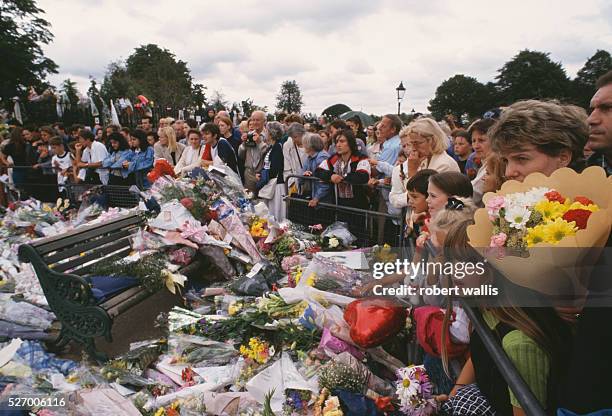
pixel 437 171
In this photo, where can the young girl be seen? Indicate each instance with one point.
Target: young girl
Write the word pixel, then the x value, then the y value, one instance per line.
pixel 535 339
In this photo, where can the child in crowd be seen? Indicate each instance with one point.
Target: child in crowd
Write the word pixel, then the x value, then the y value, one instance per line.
pixel 46 190
pixel 535 339
pixel 62 164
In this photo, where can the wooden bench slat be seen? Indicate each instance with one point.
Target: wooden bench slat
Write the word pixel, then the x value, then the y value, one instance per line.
pixel 86 270
pixel 80 235
pixel 120 297
pixel 81 248
pixel 92 255
pixel 128 303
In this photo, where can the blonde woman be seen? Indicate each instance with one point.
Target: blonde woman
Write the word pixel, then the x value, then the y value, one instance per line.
pixel 425 143
pixel 167 147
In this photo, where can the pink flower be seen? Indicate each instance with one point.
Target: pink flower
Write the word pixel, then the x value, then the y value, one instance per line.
pixel 495 204
pixel 498 240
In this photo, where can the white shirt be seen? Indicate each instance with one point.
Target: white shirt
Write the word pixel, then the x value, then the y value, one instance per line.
pixel 190 159
pixel 63 162
pixel 94 154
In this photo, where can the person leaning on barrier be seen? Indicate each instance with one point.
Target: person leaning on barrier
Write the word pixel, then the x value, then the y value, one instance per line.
pixel 141 161
pixel 316 155
pixel 89 157
pixel 119 153
pixel 62 163
pixel 345 169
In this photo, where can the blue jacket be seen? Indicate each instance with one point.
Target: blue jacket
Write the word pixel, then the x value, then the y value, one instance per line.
pixel 319 190
pixel 140 164
pixel 114 161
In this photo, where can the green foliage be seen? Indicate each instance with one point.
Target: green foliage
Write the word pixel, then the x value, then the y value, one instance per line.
pixel 532 75
pixel 155 73
pixel 70 88
pixel 460 95
pixel 22 33
pixel 584 83
pixel 148 270
pixel 248 107
pixel 289 99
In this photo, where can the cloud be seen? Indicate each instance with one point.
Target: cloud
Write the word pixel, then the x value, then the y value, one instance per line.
pixel 355 52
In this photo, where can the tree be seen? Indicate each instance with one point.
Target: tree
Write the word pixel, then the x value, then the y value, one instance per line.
pixel 22 34
pixel 532 74
pixel 248 107
pixel 198 96
pixel 117 83
pixel 289 99
pixel 461 94
pixel 218 101
pixel 584 83
pixel 153 72
pixel 70 88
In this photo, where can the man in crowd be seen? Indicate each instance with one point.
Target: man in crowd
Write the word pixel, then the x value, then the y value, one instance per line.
pixel 600 123
pixel 147 124
pixel 252 149
pixel 593 337
pixel 335 127
pixel 89 157
pixel 179 131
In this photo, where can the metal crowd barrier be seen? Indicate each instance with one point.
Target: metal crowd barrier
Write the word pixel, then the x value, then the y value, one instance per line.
pixel 369 226
pixel 524 395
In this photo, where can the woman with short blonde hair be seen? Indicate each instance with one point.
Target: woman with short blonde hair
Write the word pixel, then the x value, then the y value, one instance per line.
pixel 425 144
pixel 167 146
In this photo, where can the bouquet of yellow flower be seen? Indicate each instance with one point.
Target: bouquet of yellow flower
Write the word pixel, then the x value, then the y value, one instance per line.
pixel 540 215
pixel 258 351
pixel 259 227
pixel 524 226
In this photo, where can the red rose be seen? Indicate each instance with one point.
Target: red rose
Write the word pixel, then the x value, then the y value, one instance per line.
pixel 579 216
pixel 583 200
pixel 555 196
pixel 187 203
pixel 12 206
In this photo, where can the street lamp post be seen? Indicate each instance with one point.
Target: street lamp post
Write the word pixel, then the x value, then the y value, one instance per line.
pixel 400 95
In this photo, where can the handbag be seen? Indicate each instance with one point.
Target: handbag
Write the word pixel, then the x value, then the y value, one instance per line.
pixel 267 192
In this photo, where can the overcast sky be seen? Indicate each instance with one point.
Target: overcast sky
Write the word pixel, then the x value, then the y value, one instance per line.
pixel 339 51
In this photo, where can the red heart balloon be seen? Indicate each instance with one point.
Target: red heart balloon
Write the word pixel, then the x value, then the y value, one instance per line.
pixel 374 320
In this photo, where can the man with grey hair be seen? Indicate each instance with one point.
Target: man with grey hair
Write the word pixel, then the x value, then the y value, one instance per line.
pixel 293 154
pixel 253 148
